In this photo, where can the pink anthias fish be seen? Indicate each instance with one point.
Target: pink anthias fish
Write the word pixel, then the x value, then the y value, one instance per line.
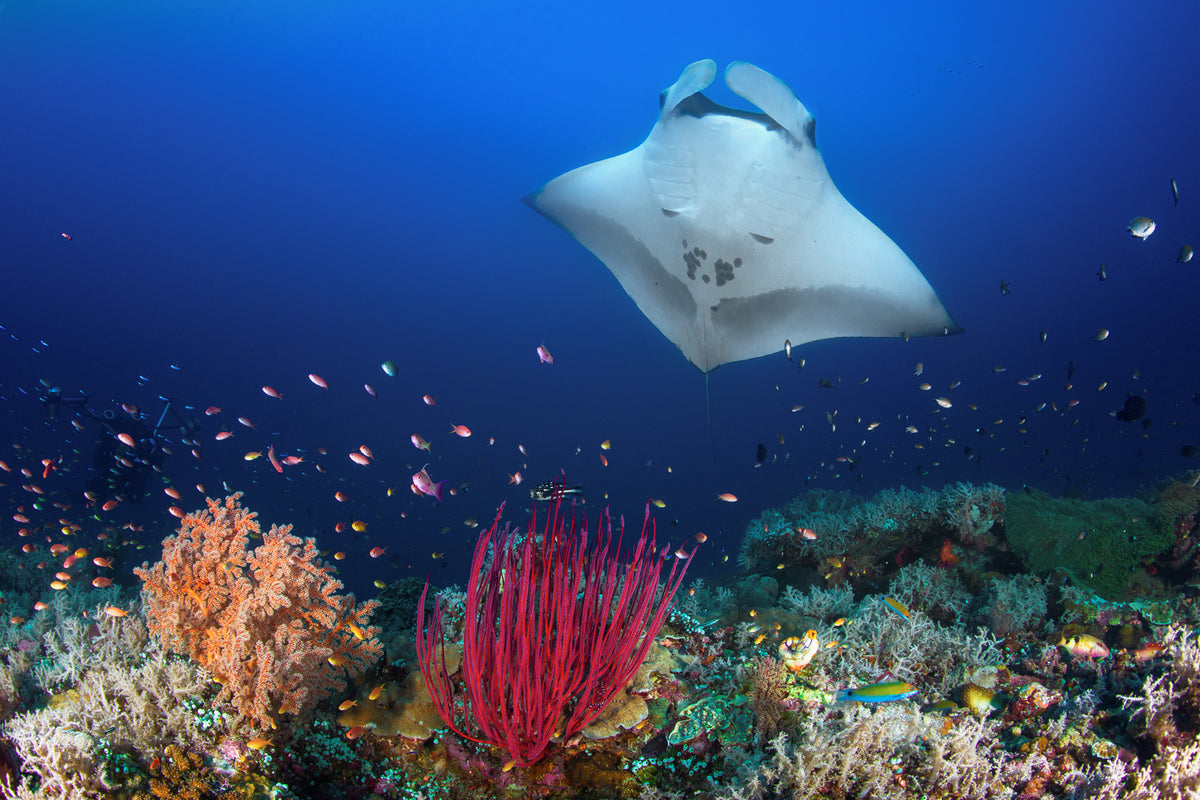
pixel 425 485
pixel 544 355
pixel 419 442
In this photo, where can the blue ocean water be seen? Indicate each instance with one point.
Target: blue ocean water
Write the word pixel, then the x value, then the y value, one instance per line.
pixel 259 191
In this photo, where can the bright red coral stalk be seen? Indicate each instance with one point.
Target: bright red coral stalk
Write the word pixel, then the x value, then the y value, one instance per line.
pixel 553 630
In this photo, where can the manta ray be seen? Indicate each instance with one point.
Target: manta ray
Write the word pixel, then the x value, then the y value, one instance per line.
pixel 728 233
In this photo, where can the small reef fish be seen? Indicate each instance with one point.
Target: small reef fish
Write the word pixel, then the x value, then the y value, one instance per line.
pixel 897 607
pixel 419 442
pixel 460 430
pixel 878 692
pixel 1148 651
pixel 425 485
pixel 727 497
pixel 1142 227
pixel 552 490
pixel 1085 646
pixel 544 355
pixel 389 368
pixel 317 380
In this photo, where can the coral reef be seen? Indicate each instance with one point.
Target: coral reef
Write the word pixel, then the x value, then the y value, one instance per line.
pixel 267 623
pixel 1098 543
pixel 989 682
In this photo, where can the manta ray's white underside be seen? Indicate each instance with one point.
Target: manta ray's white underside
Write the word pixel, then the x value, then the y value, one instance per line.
pixel 727 231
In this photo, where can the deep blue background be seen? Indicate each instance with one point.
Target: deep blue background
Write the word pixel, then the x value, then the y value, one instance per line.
pixel 259 191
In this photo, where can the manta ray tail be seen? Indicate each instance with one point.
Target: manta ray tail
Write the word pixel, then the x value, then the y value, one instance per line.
pixel 708 416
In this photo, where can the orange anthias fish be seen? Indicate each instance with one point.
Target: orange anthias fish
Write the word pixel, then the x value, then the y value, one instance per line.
pixel 460 430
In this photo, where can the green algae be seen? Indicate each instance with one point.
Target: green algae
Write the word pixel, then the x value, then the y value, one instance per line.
pixel 1101 543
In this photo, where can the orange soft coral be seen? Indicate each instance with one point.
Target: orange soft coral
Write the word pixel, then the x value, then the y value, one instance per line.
pixel 268 623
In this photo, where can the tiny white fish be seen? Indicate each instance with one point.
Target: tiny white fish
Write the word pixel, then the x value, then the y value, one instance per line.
pixel 1142 227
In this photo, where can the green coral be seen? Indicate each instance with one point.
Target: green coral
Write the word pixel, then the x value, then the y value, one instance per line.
pixel 1100 543
pixel 727 721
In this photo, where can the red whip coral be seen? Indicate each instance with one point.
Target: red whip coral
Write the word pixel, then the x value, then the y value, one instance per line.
pixel 267 623
pixel 553 630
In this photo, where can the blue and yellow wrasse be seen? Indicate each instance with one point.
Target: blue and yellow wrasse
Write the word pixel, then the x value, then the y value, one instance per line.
pixel 896 606
pixel 878 692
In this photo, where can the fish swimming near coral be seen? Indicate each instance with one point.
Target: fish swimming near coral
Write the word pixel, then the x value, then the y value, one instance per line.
pixel 1085 646
pixel 896 607
pixel 553 490
pixel 878 692
pixel 726 230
